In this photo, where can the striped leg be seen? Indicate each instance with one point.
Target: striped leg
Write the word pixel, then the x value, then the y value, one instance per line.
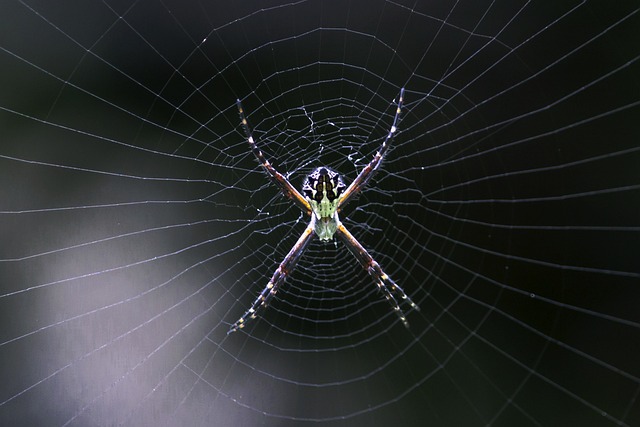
pixel 284 269
pixel 281 182
pixel 370 170
pixel 393 292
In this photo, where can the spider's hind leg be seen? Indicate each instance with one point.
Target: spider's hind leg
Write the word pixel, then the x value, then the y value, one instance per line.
pixel 262 301
pixel 393 292
pixel 284 269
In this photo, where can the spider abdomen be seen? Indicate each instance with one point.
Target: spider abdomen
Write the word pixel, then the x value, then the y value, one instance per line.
pixel 322 189
pixel 326 227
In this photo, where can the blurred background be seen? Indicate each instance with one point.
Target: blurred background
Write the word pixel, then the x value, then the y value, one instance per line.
pixel 136 226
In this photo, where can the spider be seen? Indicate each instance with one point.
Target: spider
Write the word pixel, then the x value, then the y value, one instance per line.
pixel 323 196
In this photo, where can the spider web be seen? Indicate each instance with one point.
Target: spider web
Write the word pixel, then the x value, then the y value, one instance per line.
pixel 136 225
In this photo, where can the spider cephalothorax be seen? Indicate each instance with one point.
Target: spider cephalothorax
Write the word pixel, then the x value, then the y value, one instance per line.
pixel 322 189
pixel 323 195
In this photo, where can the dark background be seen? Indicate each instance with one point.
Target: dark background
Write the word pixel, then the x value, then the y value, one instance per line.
pixel 136 226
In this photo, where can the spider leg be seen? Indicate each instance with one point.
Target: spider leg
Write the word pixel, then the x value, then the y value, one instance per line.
pixel 284 269
pixel 283 183
pixel 393 292
pixel 370 170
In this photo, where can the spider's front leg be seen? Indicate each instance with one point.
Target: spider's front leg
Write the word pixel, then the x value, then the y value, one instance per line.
pixel 280 180
pixel 284 269
pixel 370 170
pixel 393 292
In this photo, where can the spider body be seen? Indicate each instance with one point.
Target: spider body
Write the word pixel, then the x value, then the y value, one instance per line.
pixel 323 195
pixel 322 189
